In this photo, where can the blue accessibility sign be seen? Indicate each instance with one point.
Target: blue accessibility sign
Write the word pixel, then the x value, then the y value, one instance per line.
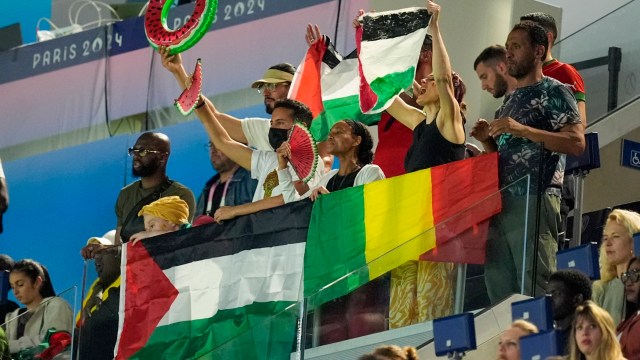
pixel 630 154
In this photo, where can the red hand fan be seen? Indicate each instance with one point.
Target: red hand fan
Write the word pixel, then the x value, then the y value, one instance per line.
pixel 304 152
pixel 188 100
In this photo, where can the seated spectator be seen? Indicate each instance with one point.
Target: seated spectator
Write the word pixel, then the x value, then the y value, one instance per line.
pixel 568 289
pixel 593 335
pixel 98 319
pixel 28 326
pixel 392 352
pixel 349 141
pixel 164 215
pixel 509 345
pixel 6 305
pixel 629 329
pixel 615 252
pixel 231 186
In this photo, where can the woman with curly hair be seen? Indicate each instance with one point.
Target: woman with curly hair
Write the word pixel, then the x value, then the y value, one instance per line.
pixel 593 335
pixel 615 252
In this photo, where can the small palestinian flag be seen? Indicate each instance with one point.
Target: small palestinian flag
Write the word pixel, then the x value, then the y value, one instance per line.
pixel 388 45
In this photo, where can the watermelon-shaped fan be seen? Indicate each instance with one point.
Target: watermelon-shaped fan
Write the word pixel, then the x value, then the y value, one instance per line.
pixel 188 100
pixel 304 152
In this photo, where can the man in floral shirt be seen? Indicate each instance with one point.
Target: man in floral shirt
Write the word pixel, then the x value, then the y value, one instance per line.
pixel 541 110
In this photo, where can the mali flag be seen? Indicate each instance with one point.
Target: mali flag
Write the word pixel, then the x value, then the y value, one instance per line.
pixel 215 291
pixel 360 233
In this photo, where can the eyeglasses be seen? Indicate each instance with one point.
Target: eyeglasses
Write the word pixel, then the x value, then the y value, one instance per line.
pixel 270 86
pixel 142 152
pixel 633 275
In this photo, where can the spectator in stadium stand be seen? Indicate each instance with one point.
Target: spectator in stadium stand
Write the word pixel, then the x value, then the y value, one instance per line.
pixel 27 327
pixel 150 156
pixel 593 335
pixel 4 195
pixel 438 138
pixel 392 352
pixel 6 305
pixel 629 330
pixel 615 252
pixel 568 289
pixel 509 345
pixel 162 216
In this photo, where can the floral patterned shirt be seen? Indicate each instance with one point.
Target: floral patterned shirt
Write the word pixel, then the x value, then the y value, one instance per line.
pixel 546 105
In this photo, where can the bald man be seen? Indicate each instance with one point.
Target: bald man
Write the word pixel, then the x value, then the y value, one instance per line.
pixel 150 155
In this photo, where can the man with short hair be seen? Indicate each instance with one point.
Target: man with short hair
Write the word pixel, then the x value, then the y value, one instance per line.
pixel 558 70
pixel 569 76
pixel 509 345
pixel 568 289
pixel 540 110
pixel 231 186
pixel 263 164
pixel 150 156
pixel 491 68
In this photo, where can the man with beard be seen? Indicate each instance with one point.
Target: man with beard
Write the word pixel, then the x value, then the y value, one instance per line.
pixel 231 186
pixel 540 110
pixel 150 155
pixel 491 68
pixel 568 289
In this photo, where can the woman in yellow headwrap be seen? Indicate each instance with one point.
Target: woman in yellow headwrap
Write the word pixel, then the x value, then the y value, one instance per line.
pixel 164 215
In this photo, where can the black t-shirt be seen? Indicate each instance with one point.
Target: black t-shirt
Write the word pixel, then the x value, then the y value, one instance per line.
pixel 339 182
pixel 430 148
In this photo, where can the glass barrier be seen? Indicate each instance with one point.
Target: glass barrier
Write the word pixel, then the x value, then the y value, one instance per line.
pixel 420 291
pixel 47 330
pixel 96 321
pixel 616 29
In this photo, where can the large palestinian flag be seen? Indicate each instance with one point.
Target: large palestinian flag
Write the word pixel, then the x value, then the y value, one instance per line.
pixel 360 233
pixel 215 291
pixel 329 84
pixel 388 45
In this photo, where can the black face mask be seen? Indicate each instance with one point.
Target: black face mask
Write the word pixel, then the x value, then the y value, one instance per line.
pixel 277 137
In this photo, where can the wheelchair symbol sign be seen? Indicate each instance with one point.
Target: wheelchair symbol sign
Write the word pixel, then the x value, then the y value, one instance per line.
pixel 630 154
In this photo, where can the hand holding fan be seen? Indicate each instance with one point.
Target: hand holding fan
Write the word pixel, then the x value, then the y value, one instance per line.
pixel 304 152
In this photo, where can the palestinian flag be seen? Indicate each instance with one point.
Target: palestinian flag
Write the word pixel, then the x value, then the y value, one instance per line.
pixel 360 233
pixel 215 291
pixel 329 85
pixel 388 45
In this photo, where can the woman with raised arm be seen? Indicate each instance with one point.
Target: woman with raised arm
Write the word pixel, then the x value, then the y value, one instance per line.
pixel 438 130
pixel 438 138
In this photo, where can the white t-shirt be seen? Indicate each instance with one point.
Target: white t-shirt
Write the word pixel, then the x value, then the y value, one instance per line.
pixel 265 162
pixel 256 130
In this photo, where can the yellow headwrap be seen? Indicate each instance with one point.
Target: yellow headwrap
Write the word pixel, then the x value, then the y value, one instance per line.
pixel 170 208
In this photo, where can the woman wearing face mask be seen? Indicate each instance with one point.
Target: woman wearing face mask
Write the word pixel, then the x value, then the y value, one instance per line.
pixel 593 335
pixel 615 252
pixel 27 327
pixel 629 329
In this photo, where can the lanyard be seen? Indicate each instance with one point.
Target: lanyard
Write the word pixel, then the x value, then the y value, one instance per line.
pixel 213 189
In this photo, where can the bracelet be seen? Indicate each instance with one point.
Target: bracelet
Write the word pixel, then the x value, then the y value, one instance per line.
pixel 200 102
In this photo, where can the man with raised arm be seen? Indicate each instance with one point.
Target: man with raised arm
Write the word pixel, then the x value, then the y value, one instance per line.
pixel 540 110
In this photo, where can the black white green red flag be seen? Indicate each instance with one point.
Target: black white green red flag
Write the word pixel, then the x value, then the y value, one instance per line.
pixel 215 291
pixel 388 45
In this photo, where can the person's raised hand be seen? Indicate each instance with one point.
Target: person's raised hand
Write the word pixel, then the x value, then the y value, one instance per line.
pixel 284 155
pixel 434 11
pixel 173 63
pixel 90 250
pixel 313 34
pixel 480 130
pixel 356 23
